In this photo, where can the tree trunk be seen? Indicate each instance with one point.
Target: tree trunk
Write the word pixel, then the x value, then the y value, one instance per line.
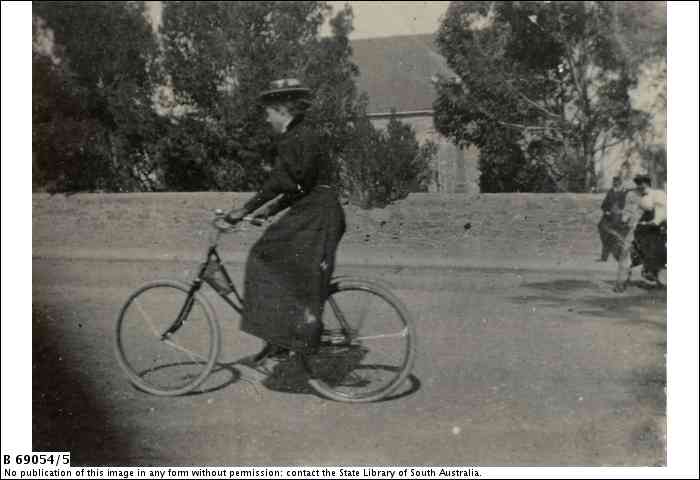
pixel 589 176
pixel 575 167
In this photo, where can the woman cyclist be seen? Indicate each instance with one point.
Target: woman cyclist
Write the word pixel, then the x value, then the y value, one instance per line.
pixel 289 268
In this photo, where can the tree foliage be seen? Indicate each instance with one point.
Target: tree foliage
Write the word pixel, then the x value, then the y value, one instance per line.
pixel 542 86
pixel 93 121
pixel 384 165
pixel 121 107
pixel 220 55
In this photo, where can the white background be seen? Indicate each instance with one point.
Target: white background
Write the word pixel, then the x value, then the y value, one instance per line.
pixel 683 245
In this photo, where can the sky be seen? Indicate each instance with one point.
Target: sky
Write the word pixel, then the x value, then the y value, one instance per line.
pixel 377 19
pixel 382 19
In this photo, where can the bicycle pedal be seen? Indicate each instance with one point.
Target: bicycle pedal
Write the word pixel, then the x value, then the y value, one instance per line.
pixel 337 349
pixel 334 338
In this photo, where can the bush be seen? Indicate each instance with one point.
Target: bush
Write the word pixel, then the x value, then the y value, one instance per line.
pixel 382 166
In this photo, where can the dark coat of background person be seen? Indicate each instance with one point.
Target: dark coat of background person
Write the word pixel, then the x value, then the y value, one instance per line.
pixel 611 222
pixel 289 268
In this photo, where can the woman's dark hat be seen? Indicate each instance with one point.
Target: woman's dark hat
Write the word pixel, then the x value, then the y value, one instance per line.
pixel 283 90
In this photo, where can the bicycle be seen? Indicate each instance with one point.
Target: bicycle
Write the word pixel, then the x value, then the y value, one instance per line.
pixel 364 356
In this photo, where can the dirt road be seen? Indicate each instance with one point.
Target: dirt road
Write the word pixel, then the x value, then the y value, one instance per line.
pixel 514 368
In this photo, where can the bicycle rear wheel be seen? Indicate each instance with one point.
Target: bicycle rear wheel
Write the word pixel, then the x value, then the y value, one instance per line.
pixel 368 345
pixel 156 360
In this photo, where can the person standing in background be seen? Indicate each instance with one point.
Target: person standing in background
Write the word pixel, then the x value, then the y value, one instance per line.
pixel 627 176
pixel 612 207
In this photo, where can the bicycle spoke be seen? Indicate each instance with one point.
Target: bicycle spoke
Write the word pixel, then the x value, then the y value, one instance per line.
pixel 193 355
pixel 146 317
pixel 383 355
pixel 402 333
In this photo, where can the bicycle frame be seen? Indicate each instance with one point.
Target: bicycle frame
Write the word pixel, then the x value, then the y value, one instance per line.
pixel 331 371
pixel 212 256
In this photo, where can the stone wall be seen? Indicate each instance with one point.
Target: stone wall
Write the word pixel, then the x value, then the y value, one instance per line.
pixel 483 227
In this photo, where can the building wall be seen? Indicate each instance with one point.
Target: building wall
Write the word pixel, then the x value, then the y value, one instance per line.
pixel 456 170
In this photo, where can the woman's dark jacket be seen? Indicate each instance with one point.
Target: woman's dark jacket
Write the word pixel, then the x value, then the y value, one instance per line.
pixel 289 268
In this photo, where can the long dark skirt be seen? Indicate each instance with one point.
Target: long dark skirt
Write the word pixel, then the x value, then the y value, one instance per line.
pixel 289 271
pixel 649 247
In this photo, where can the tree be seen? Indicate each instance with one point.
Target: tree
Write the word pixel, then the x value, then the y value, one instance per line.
pixel 220 55
pixel 118 108
pixel 642 37
pixel 91 90
pixel 546 83
pixel 504 167
pixel 383 166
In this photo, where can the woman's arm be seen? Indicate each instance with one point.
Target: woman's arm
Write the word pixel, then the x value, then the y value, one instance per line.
pixel 659 207
pixel 277 206
pixel 280 182
pixel 295 166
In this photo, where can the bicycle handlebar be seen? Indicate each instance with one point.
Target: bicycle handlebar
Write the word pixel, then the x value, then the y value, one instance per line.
pixel 223 225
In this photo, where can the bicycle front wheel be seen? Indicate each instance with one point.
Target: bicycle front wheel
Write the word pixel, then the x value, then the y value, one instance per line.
pixel 167 339
pixel 368 345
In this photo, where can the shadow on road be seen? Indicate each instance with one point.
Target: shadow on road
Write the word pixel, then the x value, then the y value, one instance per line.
pixel 234 375
pixel 563 286
pixel 291 377
pixel 288 376
pixel 414 386
pixel 648 388
pixel 596 299
pixel 68 413
pixel 640 306
pixel 229 368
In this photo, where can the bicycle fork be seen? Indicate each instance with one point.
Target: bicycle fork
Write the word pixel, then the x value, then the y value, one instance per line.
pixel 184 311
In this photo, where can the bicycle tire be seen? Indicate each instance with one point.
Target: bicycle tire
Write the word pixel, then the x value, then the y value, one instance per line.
pixel 204 362
pixel 330 389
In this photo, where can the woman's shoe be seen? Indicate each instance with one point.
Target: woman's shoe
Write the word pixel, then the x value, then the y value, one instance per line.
pixel 270 351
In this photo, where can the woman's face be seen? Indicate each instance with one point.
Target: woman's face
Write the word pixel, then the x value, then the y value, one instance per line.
pixel 278 117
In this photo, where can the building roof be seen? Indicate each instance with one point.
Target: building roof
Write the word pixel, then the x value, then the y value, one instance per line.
pixel 396 71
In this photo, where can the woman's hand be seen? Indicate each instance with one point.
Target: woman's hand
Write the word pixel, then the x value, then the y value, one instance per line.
pixel 261 216
pixel 264 213
pixel 234 216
